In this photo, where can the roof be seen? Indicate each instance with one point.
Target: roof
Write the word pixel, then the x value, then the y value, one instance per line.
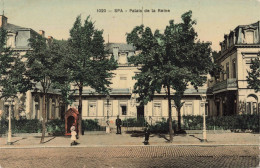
pixel 256 24
pixel 123 47
pixel 15 28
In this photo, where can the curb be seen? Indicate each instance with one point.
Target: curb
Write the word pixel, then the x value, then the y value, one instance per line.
pixel 100 146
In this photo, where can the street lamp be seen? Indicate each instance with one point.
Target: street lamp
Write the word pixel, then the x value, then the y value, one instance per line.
pixel 9 141
pixel 204 132
pixel 107 127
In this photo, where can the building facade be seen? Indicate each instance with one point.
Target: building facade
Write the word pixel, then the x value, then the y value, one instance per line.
pixel 231 93
pixel 122 101
pixel 27 105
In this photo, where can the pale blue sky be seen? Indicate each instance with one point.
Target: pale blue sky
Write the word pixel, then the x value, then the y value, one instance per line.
pixel 214 17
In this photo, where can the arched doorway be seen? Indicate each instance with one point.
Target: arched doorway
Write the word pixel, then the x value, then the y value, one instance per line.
pixel 70 122
pixel 71 117
pixel 251 104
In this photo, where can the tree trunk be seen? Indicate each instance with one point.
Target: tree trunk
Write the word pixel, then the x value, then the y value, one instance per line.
pixel 170 113
pixel 80 111
pixel 43 118
pixel 179 118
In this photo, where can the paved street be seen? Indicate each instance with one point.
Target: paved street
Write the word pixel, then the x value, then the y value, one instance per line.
pixel 132 156
pixel 103 139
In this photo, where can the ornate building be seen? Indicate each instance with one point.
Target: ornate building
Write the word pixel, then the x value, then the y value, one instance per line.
pixel 231 93
pixel 122 100
pixel 27 105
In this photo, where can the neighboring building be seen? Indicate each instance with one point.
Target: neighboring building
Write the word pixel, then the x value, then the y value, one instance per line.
pixel 26 105
pixel 122 100
pixel 231 93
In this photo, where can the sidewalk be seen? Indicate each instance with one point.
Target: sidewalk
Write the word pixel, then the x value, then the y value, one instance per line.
pixel 93 139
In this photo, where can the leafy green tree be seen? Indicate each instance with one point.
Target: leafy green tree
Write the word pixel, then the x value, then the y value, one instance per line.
pixel 170 61
pixel 253 77
pixel 12 69
pixel 89 63
pixel 44 69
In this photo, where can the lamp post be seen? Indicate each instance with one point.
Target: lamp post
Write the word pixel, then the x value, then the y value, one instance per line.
pixel 9 137
pixel 107 127
pixel 204 132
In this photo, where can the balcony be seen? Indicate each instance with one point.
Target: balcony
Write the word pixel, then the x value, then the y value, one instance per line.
pixel 229 84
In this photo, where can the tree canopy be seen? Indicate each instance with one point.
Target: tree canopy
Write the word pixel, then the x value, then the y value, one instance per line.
pixel 88 61
pixel 12 71
pixel 253 77
pixel 171 60
pixel 45 68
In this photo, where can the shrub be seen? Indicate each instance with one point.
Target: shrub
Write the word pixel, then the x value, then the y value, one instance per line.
pixel 134 122
pixel 3 125
pixel 56 126
pixel 243 122
pixel 91 125
pixel 163 126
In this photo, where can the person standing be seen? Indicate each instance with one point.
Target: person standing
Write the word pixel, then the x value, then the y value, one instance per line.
pixel 73 135
pixel 118 125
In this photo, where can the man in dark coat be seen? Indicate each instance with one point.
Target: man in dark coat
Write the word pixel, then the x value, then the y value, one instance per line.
pixel 118 125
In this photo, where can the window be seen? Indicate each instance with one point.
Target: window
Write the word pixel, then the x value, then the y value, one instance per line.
pixel 234 68
pixel 251 105
pixel 123 108
pixel 6 110
pixel 12 111
pixel 122 58
pixel 123 81
pixel 92 109
pixel 107 108
pixel 53 109
pixel 249 37
pixel 157 109
pixel 254 106
pixel 188 110
pixel 36 107
pixel 248 107
pixel 227 70
pixel 174 111
pixel 123 78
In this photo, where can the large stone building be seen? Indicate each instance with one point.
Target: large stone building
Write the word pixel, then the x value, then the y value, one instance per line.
pixel 122 100
pixel 26 105
pixel 231 93
pixel 225 96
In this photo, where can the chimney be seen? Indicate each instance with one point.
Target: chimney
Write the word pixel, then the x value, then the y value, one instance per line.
pixel 50 39
pixel 42 33
pixel 3 20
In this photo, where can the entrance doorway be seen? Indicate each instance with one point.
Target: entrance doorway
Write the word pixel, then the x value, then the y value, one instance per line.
pixel 140 112
pixel 70 121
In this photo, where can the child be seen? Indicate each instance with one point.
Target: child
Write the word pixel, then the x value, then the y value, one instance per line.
pixel 73 136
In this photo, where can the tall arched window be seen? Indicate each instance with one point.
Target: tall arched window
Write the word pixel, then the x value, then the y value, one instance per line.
pixel 251 104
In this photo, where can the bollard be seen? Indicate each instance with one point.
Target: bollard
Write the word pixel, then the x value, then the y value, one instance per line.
pixel 146 136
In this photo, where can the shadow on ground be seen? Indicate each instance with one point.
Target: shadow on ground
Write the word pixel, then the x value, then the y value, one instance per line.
pixel 18 140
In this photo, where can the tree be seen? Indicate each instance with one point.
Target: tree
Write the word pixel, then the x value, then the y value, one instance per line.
pixel 253 77
pixel 44 69
pixel 171 61
pixel 89 63
pixel 12 76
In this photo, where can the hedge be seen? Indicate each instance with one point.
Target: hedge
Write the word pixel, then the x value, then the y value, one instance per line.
pixel 91 125
pixel 32 126
pixel 57 126
pixel 241 122
pixel 134 122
